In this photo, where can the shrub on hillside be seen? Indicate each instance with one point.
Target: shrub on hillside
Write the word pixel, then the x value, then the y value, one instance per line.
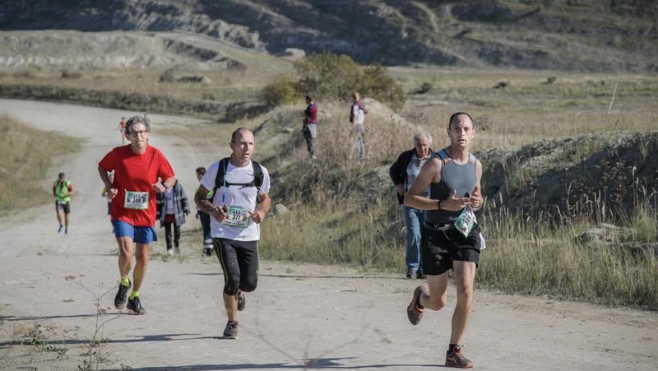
pixel 167 76
pixel 335 77
pixel 281 90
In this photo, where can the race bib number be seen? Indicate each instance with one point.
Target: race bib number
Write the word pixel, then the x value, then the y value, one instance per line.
pixel 136 200
pixel 237 216
pixel 466 221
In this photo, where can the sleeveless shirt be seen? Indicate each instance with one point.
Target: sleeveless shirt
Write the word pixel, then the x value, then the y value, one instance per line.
pixel 460 178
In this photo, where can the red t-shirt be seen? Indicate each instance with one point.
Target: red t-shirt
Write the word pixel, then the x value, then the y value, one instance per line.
pixel 136 173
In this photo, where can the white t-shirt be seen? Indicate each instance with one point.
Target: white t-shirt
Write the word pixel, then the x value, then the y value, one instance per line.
pixel 235 197
pixel 357 112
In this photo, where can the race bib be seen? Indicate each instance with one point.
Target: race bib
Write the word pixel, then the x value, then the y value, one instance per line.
pixel 465 221
pixel 237 216
pixel 136 200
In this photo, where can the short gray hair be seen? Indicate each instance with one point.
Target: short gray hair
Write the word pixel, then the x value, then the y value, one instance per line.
pixel 135 120
pixel 422 134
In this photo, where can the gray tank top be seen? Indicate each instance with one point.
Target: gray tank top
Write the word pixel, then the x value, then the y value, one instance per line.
pixel 461 178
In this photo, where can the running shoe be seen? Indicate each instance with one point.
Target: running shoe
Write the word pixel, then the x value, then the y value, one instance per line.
pixel 207 251
pixel 60 228
pixel 122 296
pixel 136 306
pixel 231 330
pixel 414 310
pixel 457 359
pixel 170 252
pixel 242 301
pixel 420 274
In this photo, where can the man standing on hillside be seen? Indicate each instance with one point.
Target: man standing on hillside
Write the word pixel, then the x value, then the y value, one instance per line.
pixel 358 112
pixel 140 172
pixel 451 238
pixel 62 191
pixel 403 172
pixel 310 126
pixel 239 204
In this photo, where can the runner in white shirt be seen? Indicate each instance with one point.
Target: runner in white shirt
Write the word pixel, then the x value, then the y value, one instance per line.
pixel 239 204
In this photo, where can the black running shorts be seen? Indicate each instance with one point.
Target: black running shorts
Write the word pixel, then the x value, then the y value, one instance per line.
pixel 440 248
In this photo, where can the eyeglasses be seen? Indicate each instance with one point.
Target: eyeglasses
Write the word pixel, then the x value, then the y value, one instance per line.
pixel 137 133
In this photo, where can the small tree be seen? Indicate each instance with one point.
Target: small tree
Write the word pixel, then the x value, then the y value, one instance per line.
pixel 328 75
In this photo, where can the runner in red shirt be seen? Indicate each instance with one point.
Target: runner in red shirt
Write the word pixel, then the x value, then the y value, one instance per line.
pixel 140 171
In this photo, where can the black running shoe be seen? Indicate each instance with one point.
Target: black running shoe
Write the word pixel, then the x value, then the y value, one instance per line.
pixel 242 301
pixel 122 295
pixel 136 306
pixel 207 251
pixel 231 330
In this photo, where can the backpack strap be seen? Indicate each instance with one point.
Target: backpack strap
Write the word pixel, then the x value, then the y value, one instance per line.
pixel 221 171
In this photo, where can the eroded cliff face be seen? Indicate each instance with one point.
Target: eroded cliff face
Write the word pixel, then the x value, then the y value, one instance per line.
pixel 557 35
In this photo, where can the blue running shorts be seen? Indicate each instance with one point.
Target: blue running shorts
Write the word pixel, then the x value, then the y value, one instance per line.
pixel 143 235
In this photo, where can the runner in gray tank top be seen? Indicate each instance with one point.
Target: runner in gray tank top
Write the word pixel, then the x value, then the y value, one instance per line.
pixel 451 238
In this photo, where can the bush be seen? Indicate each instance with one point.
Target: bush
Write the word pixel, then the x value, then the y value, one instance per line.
pixel 280 90
pixel 328 75
pixel 424 88
pixel 377 84
pixel 66 74
pixel 335 77
pixel 168 76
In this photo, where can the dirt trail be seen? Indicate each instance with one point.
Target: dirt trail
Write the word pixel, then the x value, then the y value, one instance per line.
pixel 301 316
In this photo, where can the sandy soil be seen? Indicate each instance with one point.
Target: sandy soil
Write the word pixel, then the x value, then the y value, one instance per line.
pixel 301 316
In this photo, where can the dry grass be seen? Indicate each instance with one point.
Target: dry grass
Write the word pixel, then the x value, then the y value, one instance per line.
pixel 25 158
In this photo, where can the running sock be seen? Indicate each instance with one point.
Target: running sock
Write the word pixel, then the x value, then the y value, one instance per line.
pixel 134 294
pixel 451 348
pixel 125 282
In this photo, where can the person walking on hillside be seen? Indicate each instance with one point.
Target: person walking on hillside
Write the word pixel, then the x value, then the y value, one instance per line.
pixel 140 172
pixel 122 129
pixel 240 203
pixel 204 218
pixel 403 172
pixel 172 206
pixel 310 125
pixel 62 191
pixel 451 237
pixel 358 112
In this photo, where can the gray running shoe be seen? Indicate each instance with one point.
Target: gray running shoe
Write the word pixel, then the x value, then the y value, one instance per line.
pixel 231 330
